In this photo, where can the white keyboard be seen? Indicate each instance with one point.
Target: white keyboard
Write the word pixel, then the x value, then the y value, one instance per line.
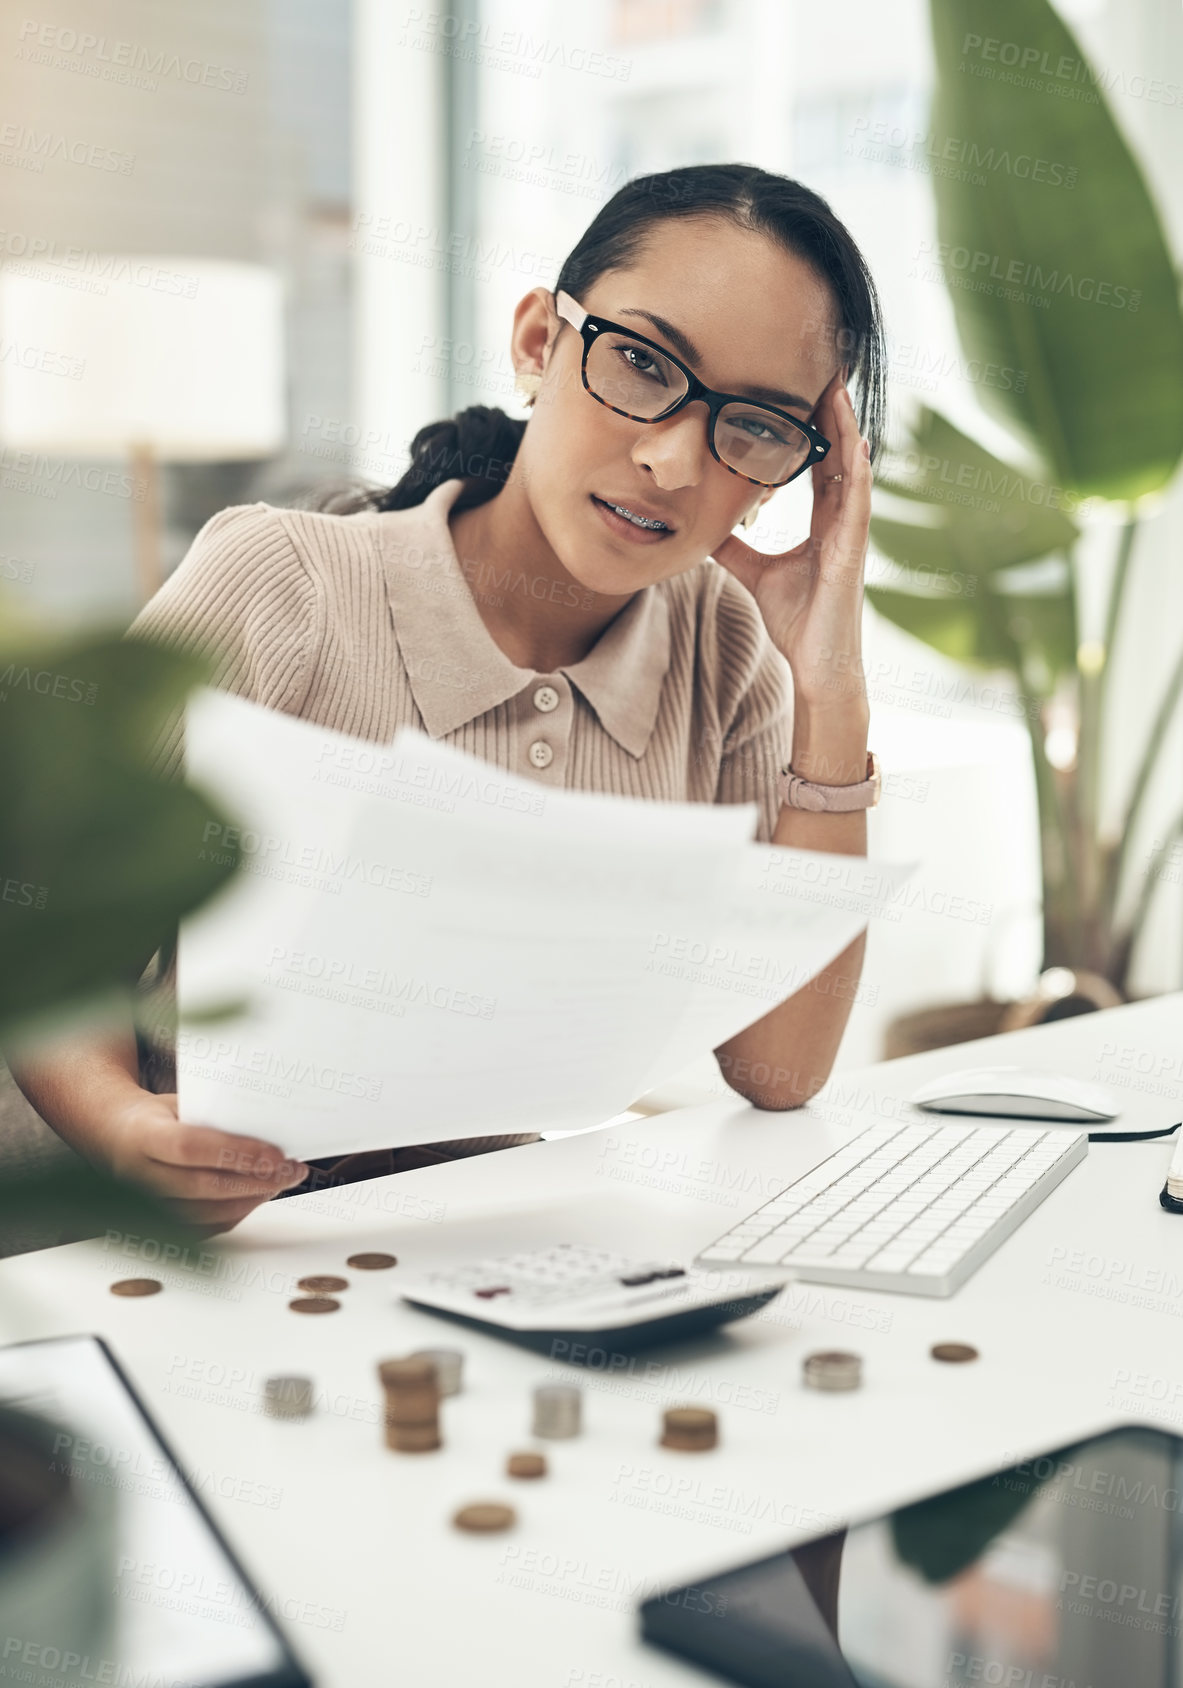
pixel 913 1207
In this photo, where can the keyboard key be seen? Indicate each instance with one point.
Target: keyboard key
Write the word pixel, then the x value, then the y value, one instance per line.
pixel 904 1204
pixel 767 1253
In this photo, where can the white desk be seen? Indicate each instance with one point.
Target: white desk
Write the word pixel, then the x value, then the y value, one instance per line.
pixel 1078 1318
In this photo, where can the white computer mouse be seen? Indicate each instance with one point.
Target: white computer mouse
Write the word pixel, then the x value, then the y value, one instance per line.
pixel 1016 1093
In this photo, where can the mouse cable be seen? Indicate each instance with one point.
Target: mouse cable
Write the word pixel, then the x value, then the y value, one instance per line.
pixel 1133 1136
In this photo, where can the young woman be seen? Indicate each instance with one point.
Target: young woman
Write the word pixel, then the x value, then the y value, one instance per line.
pixel 565 597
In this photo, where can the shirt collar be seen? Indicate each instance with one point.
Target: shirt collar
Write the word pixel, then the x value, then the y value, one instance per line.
pixel 457 671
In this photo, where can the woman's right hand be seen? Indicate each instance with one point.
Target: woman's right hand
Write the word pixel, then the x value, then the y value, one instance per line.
pixel 211 1178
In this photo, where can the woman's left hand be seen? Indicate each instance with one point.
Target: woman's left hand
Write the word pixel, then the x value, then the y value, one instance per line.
pixel 811 597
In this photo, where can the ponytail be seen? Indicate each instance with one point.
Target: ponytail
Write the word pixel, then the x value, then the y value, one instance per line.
pixel 477 445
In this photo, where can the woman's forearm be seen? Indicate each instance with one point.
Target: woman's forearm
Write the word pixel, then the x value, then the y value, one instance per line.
pixel 78 1087
pixel 783 1059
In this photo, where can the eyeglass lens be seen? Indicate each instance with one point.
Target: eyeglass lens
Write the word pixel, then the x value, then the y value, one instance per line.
pixel 640 381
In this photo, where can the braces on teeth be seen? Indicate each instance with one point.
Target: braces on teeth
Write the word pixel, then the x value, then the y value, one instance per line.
pixel 640 521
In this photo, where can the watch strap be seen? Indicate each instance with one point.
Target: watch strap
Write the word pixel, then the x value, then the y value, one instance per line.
pixel 798 793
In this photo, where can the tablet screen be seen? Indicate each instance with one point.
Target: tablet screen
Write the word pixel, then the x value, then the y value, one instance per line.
pixel 1064 1571
pixel 178 1608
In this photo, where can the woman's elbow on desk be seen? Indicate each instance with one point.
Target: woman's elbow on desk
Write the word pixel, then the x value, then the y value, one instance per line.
pixel 766 1085
pixel 782 1060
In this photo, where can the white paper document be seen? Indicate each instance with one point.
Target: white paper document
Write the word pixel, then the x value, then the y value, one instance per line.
pixel 421 946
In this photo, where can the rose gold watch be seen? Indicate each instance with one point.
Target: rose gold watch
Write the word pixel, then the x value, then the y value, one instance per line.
pixel 830 799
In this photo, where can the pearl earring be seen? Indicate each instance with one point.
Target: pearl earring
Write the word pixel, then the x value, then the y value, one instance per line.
pixel 750 518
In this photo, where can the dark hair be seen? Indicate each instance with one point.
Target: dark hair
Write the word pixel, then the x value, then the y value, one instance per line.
pixel 479 444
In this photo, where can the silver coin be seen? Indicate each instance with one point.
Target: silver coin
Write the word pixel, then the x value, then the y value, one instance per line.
pixel 287 1397
pixel 449 1366
pixel 833 1370
pixel 557 1410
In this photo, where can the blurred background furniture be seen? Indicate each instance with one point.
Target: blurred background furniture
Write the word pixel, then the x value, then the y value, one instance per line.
pixel 174 360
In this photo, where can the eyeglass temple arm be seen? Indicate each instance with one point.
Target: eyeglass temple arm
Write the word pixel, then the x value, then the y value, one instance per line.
pixel 569 310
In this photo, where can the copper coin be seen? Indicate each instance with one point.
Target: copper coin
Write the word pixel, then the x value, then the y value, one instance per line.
pixel 691 1429
pixel 414 1371
pixel 137 1286
pixel 413 1438
pixel 484 1515
pixel 955 1353
pixel 412 1406
pixel 314 1304
pixel 371 1262
pixel 323 1285
pixel 526 1465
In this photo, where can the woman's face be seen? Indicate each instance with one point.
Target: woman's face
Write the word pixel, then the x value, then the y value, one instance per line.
pixel 756 316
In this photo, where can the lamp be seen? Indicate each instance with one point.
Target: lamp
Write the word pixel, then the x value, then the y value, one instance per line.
pixel 153 359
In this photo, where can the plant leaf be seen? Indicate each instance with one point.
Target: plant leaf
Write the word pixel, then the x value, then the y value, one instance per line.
pixel 954 626
pixel 991 514
pixel 1096 327
pixel 99 856
pixel 84 1199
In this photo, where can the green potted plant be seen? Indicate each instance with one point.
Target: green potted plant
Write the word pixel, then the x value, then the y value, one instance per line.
pixel 1064 285
pixel 98 856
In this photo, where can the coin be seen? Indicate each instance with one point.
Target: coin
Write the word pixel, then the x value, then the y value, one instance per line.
pixel 314 1304
pixel 956 1353
pixel 371 1262
pixel 526 1465
pixel 413 1371
pixel 411 1415
pixel 483 1516
pixel 557 1410
pixel 833 1370
pixel 137 1286
pixel 287 1397
pixel 323 1285
pixel 413 1438
pixel 692 1429
pixel 449 1363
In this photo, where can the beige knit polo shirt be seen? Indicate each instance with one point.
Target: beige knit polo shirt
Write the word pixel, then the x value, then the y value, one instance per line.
pixel 367 623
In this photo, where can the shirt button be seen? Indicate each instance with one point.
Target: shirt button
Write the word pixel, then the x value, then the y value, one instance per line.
pixel 546 699
pixel 541 754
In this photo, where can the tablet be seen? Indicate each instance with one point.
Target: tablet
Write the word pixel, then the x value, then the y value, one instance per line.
pixel 1062 1571
pixel 180 1608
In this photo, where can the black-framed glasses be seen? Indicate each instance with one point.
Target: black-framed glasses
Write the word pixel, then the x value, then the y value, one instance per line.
pixel 755 441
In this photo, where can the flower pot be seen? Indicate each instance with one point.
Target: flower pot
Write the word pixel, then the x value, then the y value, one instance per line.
pixel 57 1561
pixel 936 1028
pixel 1060 994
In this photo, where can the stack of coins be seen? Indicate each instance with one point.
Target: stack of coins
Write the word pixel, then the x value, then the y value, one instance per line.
pixel 412 1405
pixel 557 1410
pixel 449 1364
pixel 832 1370
pixel 692 1429
pixel 287 1397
